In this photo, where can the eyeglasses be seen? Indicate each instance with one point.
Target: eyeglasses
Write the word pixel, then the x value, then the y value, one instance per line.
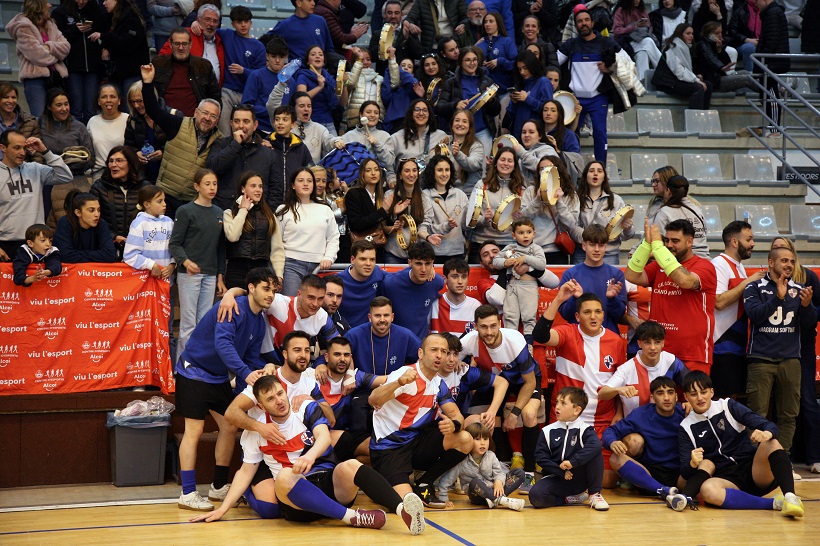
pixel 117 161
pixel 655 181
pixel 477 10
pixel 470 59
pixel 212 117
pixel 421 110
pixel 137 101
pixel 181 45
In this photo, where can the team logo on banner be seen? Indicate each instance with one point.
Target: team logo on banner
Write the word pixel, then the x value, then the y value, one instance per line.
pixel 8 300
pixel 7 353
pixel 139 319
pixel 96 350
pixel 54 281
pixel 139 370
pixel 51 327
pixel 50 379
pixel 99 297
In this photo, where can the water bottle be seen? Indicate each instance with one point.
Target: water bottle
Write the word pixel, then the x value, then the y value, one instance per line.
pixel 746 216
pixel 290 69
pixel 147 149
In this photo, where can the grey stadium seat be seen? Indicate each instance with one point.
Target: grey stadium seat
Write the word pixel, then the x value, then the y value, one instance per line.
pixel 705 124
pixel 714 225
pixel 764 223
pixel 643 165
pixel 804 221
pixel 757 170
pixel 704 169
pixel 657 122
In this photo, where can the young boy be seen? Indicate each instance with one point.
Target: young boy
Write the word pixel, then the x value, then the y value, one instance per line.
pixel 521 301
pixel 631 380
pixel 290 154
pixel 569 452
pixel 718 457
pixel 37 250
pixel 489 481
pixel 454 311
pixel 264 82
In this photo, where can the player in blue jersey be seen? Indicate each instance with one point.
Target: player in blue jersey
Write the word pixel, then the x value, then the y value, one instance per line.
pixel 362 282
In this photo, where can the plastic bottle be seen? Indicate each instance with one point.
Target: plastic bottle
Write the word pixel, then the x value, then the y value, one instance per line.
pixel 290 69
pixel 147 149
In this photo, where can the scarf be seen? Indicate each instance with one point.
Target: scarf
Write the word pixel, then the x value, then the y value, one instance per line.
pixel 670 13
pixel 754 23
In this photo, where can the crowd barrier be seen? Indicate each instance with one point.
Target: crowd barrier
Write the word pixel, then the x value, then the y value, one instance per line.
pixel 93 327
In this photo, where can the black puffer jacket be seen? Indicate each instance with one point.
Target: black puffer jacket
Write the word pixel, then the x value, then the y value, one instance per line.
pixel 738 31
pixel 255 244
pixel 85 55
pixel 118 205
pixel 810 41
pixel 229 160
pixel 708 62
pixel 451 94
pixel 774 36
pixel 128 46
pixel 421 15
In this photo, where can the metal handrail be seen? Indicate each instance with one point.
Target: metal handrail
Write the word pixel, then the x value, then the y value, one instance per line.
pixel 783 103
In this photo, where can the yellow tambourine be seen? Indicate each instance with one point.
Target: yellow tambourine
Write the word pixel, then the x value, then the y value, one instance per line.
pixel 505 141
pixel 476 205
pixel 433 91
pixel 483 99
pixel 503 217
pixel 385 40
pixel 614 227
pixel 411 223
pixel 550 181
pixel 568 102
pixel 340 77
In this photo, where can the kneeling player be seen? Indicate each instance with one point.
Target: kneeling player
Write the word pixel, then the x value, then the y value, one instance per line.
pixel 307 483
pixel 718 457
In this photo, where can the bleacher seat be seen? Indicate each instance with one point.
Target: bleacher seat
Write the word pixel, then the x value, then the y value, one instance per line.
pixel 638 220
pixel 643 165
pixel 804 221
pixel 762 219
pixel 657 122
pixel 714 225
pixel 260 27
pixel 704 169
pixel 5 62
pixel 616 126
pixel 800 84
pixel 616 177
pixel 253 5
pixel 757 170
pixel 704 124
pixel 285 9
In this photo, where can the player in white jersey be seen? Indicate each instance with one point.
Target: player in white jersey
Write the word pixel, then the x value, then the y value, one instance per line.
pixel 306 482
pixel 454 311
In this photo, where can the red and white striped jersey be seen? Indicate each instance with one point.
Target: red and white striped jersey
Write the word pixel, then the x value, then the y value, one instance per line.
pixel 729 274
pixel 588 362
pixel 634 372
pixel 456 319
pixel 305 385
pixel 283 317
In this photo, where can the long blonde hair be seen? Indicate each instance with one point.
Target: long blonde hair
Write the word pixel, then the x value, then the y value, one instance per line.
pixel 799 275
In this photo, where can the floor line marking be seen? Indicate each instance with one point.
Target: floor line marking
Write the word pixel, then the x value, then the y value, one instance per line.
pixel 449 533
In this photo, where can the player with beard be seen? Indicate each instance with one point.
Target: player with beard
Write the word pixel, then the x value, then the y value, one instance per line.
pixel 729 365
pixel 362 282
pixel 334 291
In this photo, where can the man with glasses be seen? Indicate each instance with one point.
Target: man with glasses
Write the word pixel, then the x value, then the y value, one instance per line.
pixel 474 28
pixel 303 29
pixel 182 79
pixel 206 43
pixel 189 141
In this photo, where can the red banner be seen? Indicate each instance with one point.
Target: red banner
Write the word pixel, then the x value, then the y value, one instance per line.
pixel 93 327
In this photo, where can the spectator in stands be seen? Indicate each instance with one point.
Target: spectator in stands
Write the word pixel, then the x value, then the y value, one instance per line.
pixel 124 42
pixel 303 29
pixel 141 129
pixel 659 180
pixel 334 294
pixel 149 237
pixel 21 203
pixel 254 238
pixel 367 208
pixel 448 55
pixel 713 62
pixel 420 134
pixel 231 156
pixel 809 407
pixel 632 30
pixel 166 15
pixel 774 38
pixel 499 51
pixel 370 135
pixel 330 10
pixel 309 232
pixel 41 50
pixel 710 10
pixel 314 135
pixel 13 117
pixel 289 152
pixel 117 191
pixel 331 192
pixel 546 11
pixel 264 82
pixel 532 149
pixel 182 79
pixel 81 235
pixel 531 31
pixel 427 20
pixel 192 16
pixel 392 14
pixel 474 27
pixel 189 141
pixel 678 205
pixel 467 150
pixel 364 84
pixel 107 129
pixel 674 75
pixel 562 138
pixel 599 204
pixel 320 85
pixel 430 68
pixel 586 74
pixel 60 131
pixel 198 247
pixel 449 210
pixel 531 91
pixel 76 19
pixel 399 88
pixel 665 19
pixel 37 250
pixel 470 80
pixel 407 199
pixel 203 42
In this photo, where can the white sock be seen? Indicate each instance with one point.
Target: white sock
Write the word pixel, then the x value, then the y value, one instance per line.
pixel 348 517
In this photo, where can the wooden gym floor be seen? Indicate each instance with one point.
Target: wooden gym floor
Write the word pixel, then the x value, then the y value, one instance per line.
pixel 103 514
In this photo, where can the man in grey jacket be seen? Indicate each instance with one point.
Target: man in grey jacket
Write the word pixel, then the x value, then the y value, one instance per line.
pixel 21 187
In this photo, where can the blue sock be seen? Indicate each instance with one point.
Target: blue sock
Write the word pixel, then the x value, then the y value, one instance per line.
pixel 268 510
pixel 310 498
pixel 738 500
pixel 634 474
pixel 188 479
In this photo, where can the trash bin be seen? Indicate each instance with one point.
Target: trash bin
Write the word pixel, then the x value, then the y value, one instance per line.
pixel 138 448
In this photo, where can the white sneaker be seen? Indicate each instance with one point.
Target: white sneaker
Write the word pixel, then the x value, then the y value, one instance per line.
pixel 194 501
pixel 512 504
pixel 597 502
pixel 797 477
pixel 218 494
pixel 577 499
pixel 815 468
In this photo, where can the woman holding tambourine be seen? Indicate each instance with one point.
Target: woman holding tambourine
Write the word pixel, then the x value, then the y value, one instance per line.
pixel 562 138
pixel 420 134
pixel 432 75
pixel 599 205
pixel 502 186
pixel 532 149
pixel 410 214
pixel 450 206
pixel 368 134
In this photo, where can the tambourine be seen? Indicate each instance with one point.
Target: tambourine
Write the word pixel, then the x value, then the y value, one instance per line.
pixel 386 40
pixel 476 205
pixel 613 228
pixel 568 102
pixel 340 77
pixel 550 181
pixel 483 99
pixel 442 147
pixel 411 223
pixel 503 217
pixel 433 91
pixel 505 141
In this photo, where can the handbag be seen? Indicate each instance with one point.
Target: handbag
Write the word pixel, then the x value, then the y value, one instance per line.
pixel 375 235
pixel 663 76
pixel 563 241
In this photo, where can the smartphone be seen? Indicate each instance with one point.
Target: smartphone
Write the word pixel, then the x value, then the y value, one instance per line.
pixel 511 89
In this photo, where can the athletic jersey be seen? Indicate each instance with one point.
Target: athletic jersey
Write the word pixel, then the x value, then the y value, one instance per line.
pixel 573 441
pixel 511 359
pixel 456 319
pixel 283 317
pixel 660 434
pixel 721 432
pixel 588 362
pixel 305 385
pixel 332 393
pixel 382 355
pixel 415 405
pixel 596 280
pixel 775 324
pixel 412 303
pixel 730 322
pixel 355 304
pixel 634 372
pixel 687 315
pixel 462 383
pixel 298 433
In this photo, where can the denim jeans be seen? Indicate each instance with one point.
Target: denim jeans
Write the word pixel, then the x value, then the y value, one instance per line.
pixel 35 90
pixel 196 297
pixel 82 91
pixel 393 259
pixel 295 271
pixel 745 51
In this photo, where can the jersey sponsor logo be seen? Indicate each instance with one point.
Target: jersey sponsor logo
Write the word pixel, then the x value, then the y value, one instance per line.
pixel 609 362
pixel 573 441
pixel 248 53
pixel 702 434
pixel 427 302
pixel 318 32
pixel 777 318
